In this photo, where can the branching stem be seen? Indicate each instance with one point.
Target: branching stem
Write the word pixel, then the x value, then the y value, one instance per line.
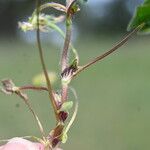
pixel 118 45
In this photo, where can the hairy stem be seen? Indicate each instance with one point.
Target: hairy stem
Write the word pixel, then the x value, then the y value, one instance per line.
pixel 50 91
pixel 118 45
pixel 64 59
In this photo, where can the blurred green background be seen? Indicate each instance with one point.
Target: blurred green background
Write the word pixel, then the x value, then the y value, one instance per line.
pixel 113 95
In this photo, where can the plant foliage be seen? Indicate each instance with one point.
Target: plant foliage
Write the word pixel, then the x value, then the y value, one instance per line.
pixel 142 15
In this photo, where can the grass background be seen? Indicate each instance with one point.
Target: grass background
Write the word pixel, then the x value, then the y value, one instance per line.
pixel 114 95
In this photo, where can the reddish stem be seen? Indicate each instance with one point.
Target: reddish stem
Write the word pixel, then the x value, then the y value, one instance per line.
pixel 30 87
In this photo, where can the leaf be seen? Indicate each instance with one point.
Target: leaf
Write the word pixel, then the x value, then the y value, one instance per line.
pixel 39 79
pixel 142 15
pixel 46 22
pixel 68 72
pixel 66 106
pixel 147 2
pixel 64 138
pixel 71 69
pixel 72 8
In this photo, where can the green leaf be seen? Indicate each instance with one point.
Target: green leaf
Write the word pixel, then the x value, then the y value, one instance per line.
pixel 74 64
pixel 147 2
pixel 64 138
pixel 66 106
pixel 142 15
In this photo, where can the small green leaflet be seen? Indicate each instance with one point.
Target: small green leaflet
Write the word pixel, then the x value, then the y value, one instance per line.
pixel 66 106
pixel 142 15
pixel 64 138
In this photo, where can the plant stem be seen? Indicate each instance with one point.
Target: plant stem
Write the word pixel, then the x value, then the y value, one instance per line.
pixel 64 58
pixel 36 118
pixel 118 45
pixel 26 100
pixel 53 5
pixel 64 92
pixel 74 112
pixel 30 87
pixel 56 28
pixel 50 91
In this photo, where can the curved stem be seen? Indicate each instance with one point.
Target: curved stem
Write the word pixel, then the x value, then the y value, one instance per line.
pixel 36 118
pixel 118 45
pixel 74 113
pixel 53 5
pixel 50 91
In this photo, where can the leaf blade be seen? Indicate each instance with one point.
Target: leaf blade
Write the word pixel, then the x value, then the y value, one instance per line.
pixel 141 15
